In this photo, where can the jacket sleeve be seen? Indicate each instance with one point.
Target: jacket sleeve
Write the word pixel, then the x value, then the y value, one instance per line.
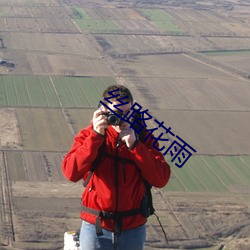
pixel 152 164
pixel 83 152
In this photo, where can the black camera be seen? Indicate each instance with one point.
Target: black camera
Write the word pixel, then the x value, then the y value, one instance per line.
pixel 112 118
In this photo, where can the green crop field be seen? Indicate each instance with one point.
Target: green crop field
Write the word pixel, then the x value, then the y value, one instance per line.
pixel 92 25
pixel 200 173
pixel 154 14
pixel 56 91
pixel 79 13
pixel 240 169
pixel 211 174
pixel 168 26
pixel 161 19
pixel 87 23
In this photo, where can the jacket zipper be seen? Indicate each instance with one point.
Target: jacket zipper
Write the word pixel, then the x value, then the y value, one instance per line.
pixel 124 170
pixel 117 219
pixel 116 178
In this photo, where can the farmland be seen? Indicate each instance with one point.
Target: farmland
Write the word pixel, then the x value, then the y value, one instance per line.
pixel 55 91
pixel 186 62
pixel 211 174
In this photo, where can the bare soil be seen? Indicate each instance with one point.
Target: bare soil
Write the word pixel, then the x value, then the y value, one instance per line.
pixel 10 135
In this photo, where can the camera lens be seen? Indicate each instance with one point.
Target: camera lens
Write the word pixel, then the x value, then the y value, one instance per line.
pixel 113 119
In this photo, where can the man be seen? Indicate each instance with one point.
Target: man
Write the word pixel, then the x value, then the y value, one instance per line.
pixel 113 197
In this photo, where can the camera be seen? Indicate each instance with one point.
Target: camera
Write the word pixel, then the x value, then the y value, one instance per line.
pixel 112 118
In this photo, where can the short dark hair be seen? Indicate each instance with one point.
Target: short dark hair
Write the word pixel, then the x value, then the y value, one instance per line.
pixel 123 91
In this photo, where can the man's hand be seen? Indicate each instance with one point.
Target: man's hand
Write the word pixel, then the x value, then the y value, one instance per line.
pixel 100 122
pixel 128 136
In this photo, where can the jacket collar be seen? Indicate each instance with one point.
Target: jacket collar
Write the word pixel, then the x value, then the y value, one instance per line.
pixel 112 132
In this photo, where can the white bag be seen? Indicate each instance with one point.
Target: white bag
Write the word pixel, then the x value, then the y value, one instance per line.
pixel 71 240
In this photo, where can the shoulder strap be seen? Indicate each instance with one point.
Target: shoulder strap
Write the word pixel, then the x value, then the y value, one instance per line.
pixel 95 163
pixel 149 197
pixel 143 131
pixel 148 187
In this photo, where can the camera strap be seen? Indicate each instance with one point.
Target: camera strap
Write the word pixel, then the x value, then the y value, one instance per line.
pixel 95 163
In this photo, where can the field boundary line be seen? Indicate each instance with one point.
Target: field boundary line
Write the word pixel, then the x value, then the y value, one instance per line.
pixel 80 85
pixel 54 87
pixel 27 89
pixel 247 166
pixel 232 171
pixel 173 212
pixel 7 207
pixel 15 90
pixel 214 173
pixel 65 115
pixel 71 19
pixel 202 185
pixel 69 90
pixel 42 88
pixel 181 184
pixel 216 67
pixel 207 110
pixel 96 84
pixel 82 56
pixel 5 93
pixel 79 29
pixel 25 166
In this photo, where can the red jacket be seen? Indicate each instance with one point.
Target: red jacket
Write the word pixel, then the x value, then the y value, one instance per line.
pixel 101 192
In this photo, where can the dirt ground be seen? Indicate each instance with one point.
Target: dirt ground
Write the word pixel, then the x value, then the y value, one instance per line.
pixel 9 136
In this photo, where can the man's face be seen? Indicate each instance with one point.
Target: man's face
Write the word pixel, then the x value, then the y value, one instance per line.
pixel 125 108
